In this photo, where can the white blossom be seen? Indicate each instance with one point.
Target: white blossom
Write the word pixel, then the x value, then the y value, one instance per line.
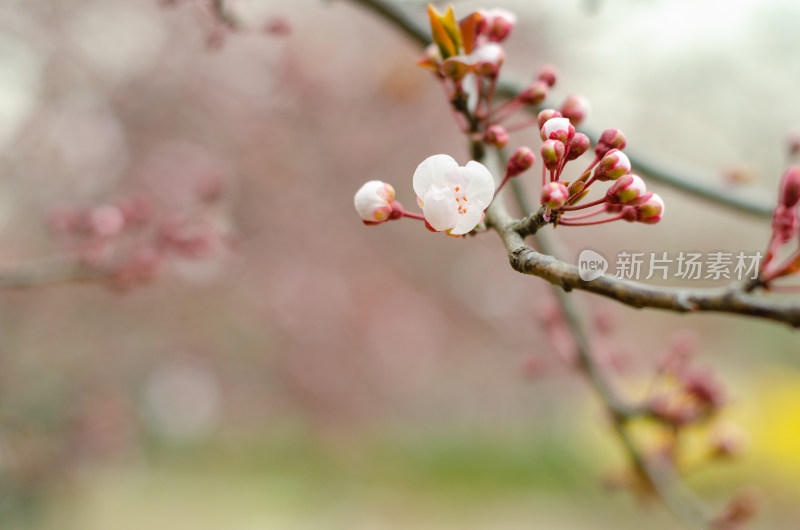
pixel 453 198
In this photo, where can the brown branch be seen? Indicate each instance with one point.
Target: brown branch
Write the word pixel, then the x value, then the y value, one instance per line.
pixel 688 181
pixel 734 299
pixel 49 273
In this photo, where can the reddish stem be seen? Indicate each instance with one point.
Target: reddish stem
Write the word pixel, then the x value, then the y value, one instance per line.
pixel 582 206
pixel 587 214
pixel 413 215
pixel 522 124
pixel 568 221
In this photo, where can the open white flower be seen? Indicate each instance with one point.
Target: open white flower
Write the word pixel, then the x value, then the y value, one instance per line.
pixel 453 198
pixel 373 201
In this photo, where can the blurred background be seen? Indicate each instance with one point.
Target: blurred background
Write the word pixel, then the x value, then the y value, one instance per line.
pixel 311 372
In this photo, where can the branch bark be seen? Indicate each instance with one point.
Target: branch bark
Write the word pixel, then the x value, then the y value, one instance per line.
pixel 734 299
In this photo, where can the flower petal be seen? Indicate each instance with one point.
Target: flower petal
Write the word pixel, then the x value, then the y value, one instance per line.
pixel 432 171
pixel 441 209
pixel 467 222
pixel 478 183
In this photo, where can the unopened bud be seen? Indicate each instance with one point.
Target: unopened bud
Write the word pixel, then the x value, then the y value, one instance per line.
pixel 794 143
pixel 576 108
pixel 784 223
pixel 790 187
pixel 545 115
pixel 521 160
pixel 650 211
pixel 558 129
pixel 374 202
pixel 612 166
pixel 548 75
pixel 610 139
pixel 497 24
pixel 554 195
pixel 580 144
pixel 740 509
pixel 729 440
pixel 628 189
pixel 534 94
pixel 106 220
pixel 488 59
pixel 552 153
pixel 496 135
pixel 704 388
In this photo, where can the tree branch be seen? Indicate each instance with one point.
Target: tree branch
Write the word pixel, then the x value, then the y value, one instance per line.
pixel 733 299
pixel 693 184
pixel 49 273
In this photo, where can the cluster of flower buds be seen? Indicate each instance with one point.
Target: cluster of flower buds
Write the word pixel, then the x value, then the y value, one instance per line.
pixel 127 242
pixel 626 199
pixel 466 56
pixel 785 229
pixel 453 198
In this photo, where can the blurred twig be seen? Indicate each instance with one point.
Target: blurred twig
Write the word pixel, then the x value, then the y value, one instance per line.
pixel 48 273
pixel 694 184
pixel 659 475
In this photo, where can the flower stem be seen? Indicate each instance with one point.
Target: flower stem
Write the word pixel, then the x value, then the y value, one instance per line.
pixel 569 221
pixel 582 206
pixel 586 215
pixel 412 215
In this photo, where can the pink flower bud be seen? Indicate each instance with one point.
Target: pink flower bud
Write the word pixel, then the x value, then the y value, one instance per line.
pixel 548 75
pixel 628 189
pixel 534 94
pixel 794 143
pixel 278 26
pixel 496 135
pixel 374 202
pixel 488 59
pixel 575 107
pixel 545 115
pixel 729 440
pixel 610 139
pixel 558 129
pixel 554 195
pixel 106 220
pixel 579 145
pixel 650 211
pixel 520 161
pixel 497 24
pixel 552 153
pixel 612 166
pixel 790 187
pixel 784 223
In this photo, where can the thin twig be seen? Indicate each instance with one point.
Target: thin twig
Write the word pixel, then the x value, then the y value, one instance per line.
pixel 49 273
pixel 658 475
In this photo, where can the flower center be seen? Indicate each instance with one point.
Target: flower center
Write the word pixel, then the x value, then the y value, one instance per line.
pixel 461 200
